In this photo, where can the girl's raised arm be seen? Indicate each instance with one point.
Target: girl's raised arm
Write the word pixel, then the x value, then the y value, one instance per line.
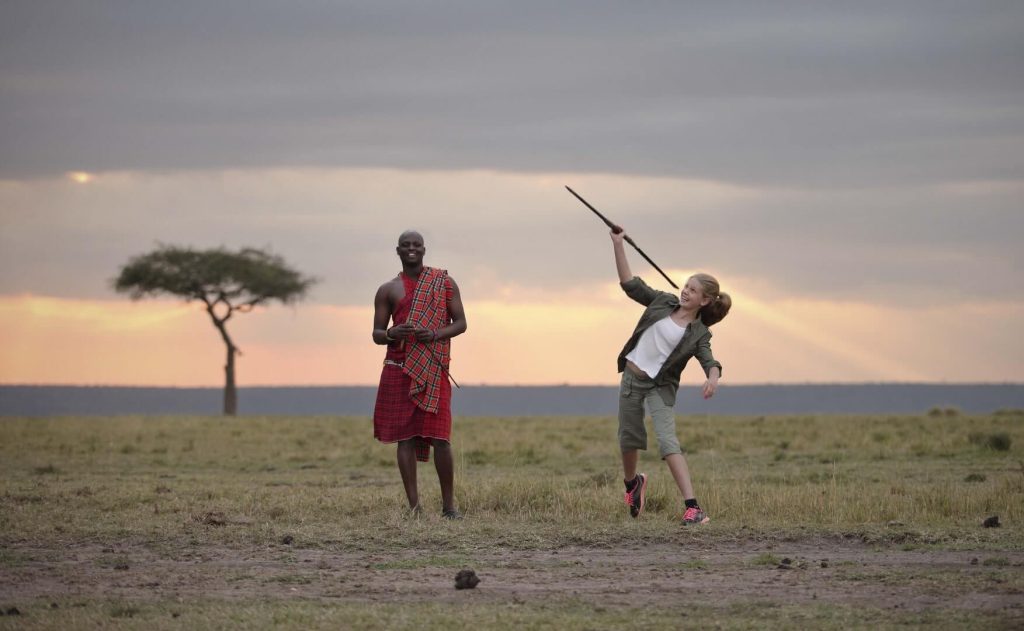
pixel 621 263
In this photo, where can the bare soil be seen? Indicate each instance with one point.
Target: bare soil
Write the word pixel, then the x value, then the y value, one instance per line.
pixel 717 574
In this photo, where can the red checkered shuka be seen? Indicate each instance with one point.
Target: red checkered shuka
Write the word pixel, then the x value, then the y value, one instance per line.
pixel 396 417
pixel 427 364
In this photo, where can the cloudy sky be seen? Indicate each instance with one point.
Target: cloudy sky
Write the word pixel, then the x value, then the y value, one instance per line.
pixel 853 173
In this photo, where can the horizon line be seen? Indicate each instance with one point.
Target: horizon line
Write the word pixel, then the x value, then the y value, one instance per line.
pixel 520 385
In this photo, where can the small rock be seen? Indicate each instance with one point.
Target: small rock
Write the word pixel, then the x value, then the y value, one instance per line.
pixel 974 561
pixel 287 540
pixel 466 579
pixel 991 522
pixel 894 524
pixel 824 563
pixel 13 611
pixel 787 561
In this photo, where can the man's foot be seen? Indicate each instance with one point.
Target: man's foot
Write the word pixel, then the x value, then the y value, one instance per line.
pixel 636 495
pixel 694 516
pixel 452 514
pixel 414 512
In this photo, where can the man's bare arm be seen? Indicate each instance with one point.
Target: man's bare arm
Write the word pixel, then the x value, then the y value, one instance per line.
pixel 458 313
pixel 383 310
pixel 381 315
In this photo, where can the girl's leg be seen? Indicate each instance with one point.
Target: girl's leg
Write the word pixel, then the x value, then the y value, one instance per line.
pixel 664 420
pixel 632 438
pixel 681 473
pixel 632 433
pixel 665 426
pixel 630 457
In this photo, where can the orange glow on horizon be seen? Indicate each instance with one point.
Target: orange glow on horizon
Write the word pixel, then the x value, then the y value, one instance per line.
pixel 49 340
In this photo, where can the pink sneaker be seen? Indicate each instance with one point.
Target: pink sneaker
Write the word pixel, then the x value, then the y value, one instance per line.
pixel 695 516
pixel 636 497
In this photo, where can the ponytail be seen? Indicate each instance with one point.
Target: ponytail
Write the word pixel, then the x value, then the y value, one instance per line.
pixel 721 302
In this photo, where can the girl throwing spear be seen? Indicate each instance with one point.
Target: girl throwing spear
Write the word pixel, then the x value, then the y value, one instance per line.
pixel 671 330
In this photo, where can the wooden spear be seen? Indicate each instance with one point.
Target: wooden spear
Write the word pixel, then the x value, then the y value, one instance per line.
pixel 616 229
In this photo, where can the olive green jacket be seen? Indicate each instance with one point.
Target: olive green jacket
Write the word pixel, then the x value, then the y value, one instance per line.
pixel 696 341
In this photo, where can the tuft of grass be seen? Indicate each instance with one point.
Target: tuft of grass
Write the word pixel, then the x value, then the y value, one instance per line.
pixel 998 441
pixel 417 563
pixel 765 558
pixel 292 579
pixel 124 611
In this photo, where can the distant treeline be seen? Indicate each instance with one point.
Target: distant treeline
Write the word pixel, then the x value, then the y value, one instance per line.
pixel 516 400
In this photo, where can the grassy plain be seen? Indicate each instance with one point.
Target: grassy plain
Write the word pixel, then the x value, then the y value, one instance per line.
pixel 207 522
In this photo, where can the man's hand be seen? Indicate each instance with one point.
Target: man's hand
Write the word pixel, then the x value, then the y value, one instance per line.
pixel 424 335
pixel 617 234
pixel 401 331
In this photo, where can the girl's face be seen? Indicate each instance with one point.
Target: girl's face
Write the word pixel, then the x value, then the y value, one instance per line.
pixel 691 296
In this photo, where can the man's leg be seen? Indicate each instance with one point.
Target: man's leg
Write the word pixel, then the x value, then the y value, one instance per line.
pixel 443 462
pixel 407 467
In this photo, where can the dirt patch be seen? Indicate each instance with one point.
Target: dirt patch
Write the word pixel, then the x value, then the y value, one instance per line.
pixel 812 571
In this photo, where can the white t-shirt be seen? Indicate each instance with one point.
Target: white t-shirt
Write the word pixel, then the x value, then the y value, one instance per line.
pixel 655 344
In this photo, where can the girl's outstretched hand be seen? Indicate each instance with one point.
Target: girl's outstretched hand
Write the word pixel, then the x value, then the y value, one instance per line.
pixel 709 388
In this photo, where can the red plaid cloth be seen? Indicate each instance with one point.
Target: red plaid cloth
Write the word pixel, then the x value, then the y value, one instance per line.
pixel 427 364
pixel 396 416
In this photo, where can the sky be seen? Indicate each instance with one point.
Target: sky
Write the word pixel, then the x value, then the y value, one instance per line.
pixel 852 173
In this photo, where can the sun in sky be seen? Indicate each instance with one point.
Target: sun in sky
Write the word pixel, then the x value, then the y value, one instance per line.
pixel 80 177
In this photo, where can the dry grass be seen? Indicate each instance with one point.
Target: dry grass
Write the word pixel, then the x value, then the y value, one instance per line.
pixel 138 503
pixel 530 482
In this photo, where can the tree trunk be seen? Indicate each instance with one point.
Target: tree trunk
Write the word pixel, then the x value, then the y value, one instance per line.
pixel 230 394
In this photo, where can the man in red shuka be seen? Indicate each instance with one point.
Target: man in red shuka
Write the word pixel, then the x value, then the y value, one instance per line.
pixel 414 397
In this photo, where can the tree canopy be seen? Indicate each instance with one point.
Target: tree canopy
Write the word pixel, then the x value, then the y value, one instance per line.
pixel 240 279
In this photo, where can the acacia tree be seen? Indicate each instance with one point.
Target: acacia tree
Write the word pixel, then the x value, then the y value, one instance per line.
pixel 226 282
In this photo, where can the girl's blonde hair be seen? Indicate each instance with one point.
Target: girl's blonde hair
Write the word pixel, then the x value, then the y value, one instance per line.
pixel 720 303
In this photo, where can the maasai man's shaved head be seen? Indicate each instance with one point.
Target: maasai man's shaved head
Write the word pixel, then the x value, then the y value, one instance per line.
pixel 409 233
pixel 411 249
